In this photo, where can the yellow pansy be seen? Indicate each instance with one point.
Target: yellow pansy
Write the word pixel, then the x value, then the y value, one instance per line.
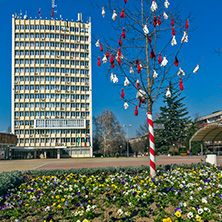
pixel 178 214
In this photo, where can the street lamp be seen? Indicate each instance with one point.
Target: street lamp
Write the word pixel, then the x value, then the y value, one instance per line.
pixel 127 136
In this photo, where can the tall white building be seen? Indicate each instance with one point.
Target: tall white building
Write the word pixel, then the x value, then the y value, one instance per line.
pixel 51 110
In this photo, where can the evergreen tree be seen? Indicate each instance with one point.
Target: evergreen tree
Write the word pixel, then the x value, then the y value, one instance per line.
pixel 174 122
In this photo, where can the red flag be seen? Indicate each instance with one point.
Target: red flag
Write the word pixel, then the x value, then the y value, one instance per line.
pixel 159 59
pixel 99 62
pixel 187 25
pixel 136 111
pixel 120 42
pixel 181 84
pixel 122 15
pixel 154 21
pixel 101 47
pixel 173 31
pixel 123 34
pixel 122 94
pixel 176 61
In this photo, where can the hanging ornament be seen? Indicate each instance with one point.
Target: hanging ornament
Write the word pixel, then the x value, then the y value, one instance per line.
pixel 137 61
pixel 123 34
pixel 103 12
pixel 159 59
pixel 101 47
pixel 131 69
pixel 143 100
pixel 40 16
pixel 159 20
pixel 111 77
pixel 166 4
pixel 104 59
pixel 139 68
pixel 181 84
pixel 140 103
pixel 173 31
pixel 126 105
pixel 126 82
pixel 165 16
pixel 172 22
pixel 120 42
pixel 114 16
pixel 185 37
pixel 152 55
pixel 149 39
pixel 180 72
pixel 173 42
pixel 187 25
pixel 122 15
pixel 136 111
pixel 125 1
pixel 119 52
pixel 119 61
pixel 112 65
pixel 196 69
pixel 154 21
pixel 155 75
pixel 145 30
pixel 107 54
pixel 140 94
pixel 122 94
pixel 97 43
pixel 111 59
pixel 115 79
pixel 168 93
pixel 176 62
pixel 153 7
pixel 99 62
pixel 137 83
pixel 164 62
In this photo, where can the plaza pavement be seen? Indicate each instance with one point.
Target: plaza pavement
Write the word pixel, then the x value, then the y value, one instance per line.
pixel 9 165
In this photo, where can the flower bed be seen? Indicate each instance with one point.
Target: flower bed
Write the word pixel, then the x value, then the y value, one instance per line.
pixel 174 195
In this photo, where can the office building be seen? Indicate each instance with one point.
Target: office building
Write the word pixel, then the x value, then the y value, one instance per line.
pixel 51 107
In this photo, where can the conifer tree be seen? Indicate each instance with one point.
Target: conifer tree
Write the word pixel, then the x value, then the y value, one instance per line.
pixel 174 120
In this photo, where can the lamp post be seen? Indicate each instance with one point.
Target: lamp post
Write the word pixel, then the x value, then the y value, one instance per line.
pixel 127 135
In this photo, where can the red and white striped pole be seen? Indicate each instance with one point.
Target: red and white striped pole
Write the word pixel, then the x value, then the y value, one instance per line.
pixel 152 146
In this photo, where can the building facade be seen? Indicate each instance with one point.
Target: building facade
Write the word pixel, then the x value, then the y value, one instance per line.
pixel 214 117
pixel 7 142
pixel 52 86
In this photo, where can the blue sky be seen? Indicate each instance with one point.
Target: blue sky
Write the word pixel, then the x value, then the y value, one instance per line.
pixel 203 90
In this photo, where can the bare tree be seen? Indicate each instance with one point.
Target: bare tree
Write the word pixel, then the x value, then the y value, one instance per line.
pixel 108 133
pixel 146 52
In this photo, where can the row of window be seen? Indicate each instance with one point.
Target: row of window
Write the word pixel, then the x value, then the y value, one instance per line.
pixel 52 44
pixel 50 61
pixel 50 53
pixel 55 105
pixel 51 27
pixel 52 131
pixel 50 78
pixel 51 113
pixel 55 96
pixel 31 122
pixel 51 70
pixel 51 36
pixel 50 96
pixel 53 140
pixel 52 87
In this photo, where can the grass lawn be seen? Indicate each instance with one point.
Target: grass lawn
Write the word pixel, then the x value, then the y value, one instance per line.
pixel 173 195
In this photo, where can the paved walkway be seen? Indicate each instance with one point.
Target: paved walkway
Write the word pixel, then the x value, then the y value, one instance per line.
pixel 9 165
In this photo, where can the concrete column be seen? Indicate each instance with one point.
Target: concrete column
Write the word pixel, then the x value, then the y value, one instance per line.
pixel 34 154
pixel 58 154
